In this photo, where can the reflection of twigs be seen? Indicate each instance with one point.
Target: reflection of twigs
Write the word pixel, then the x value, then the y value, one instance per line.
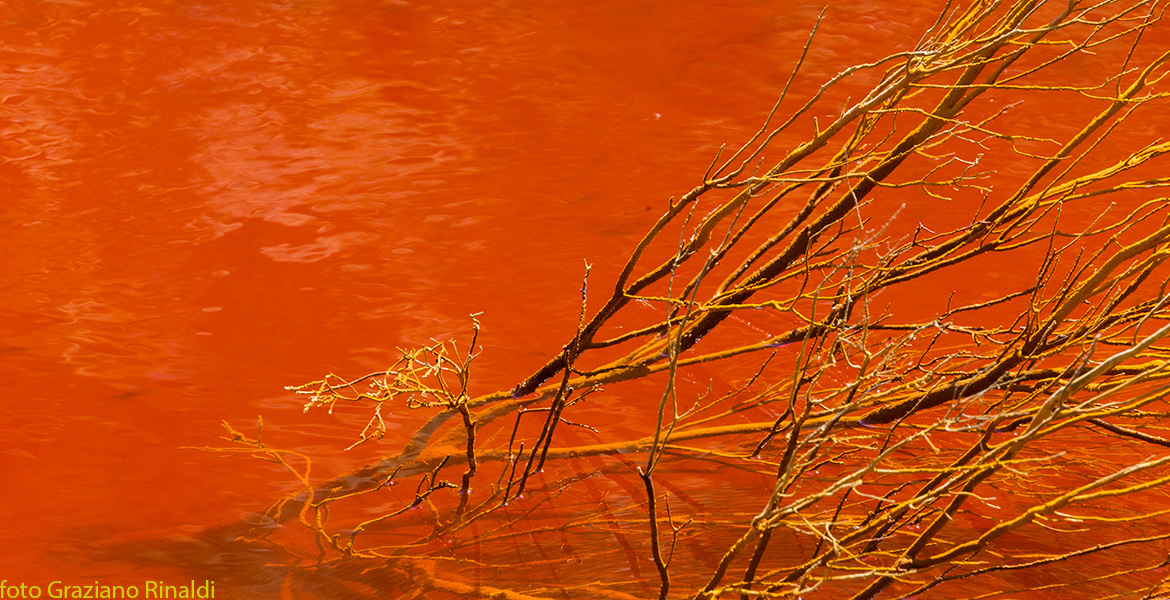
pixel 426 487
pixel 258 449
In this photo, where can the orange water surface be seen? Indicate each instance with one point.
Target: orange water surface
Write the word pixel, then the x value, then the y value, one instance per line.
pixel 206 201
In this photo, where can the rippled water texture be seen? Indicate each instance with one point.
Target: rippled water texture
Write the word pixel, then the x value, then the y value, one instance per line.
pixel 207 201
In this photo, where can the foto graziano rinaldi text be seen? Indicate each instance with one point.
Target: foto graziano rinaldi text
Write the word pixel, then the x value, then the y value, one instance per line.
pixel 97 589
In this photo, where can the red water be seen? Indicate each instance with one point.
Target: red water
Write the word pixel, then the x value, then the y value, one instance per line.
pixel 207 201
